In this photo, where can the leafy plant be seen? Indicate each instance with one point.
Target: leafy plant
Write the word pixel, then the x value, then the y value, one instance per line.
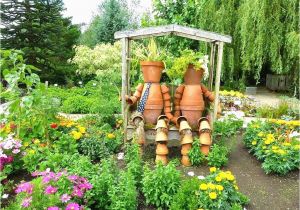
pixel 149 53
pixel 160 185
pixel 123 193
pixel 134 162
pixel 218 156
pixel 186 198
pixel 93 147
pixel 180 65
pixel 195 154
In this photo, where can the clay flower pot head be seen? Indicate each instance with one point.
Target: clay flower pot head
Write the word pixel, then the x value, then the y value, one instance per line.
pixel 152 70
pixel 193 76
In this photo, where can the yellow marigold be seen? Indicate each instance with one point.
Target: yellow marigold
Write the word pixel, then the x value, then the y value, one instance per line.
pixel 267 142
pixel 26 144
pixel 76 135
pixel 212 169
pixel 254 142
pixel 81 129
pixel 213 195
pixel 211 186
pixel 220 187
pixel 286 144
pixel 218 178
pixel 110 136
pixel 203 186
pixel 281 152
pixel 236 187
pixel 260 134
pixel 274 147
pixel 230 177
pixel 120 121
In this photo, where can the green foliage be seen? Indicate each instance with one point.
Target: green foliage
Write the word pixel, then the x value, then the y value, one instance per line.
pixel 186 198
pixel 34 28
pixel 227 127
pixel 195 154
pixel 123 193
pixel 134 162
pixel 30 108
pixel 283 110
pixel 180 64
pixel 93 147
pixel 113 16
pixel 218 156
pixel 160 184
pixel 149 53
pixel 265 36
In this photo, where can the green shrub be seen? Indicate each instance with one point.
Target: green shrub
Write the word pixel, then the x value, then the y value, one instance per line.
pixel 93 147
pixel 218 156
pixel 134 162
pixel 227 127
pixel 160 185
pixel 186 198
pixel 195 154
pixel 123 194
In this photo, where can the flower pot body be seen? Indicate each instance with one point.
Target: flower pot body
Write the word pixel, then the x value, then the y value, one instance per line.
pixel 192 103
pixel 154 105
pixel 185 160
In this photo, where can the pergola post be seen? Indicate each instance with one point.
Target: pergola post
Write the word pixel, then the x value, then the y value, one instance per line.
pixel 217 80
pixel 212 65
pixel 125 82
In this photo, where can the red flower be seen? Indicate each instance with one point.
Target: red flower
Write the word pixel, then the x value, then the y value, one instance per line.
pixel 53 125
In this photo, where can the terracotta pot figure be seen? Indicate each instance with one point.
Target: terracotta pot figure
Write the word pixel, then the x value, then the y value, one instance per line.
pixel 189 107
pixel 152 98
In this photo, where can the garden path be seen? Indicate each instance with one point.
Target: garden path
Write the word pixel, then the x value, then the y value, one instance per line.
pixel 264 96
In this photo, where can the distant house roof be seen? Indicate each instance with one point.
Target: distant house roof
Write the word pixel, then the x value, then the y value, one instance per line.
pixel 183 31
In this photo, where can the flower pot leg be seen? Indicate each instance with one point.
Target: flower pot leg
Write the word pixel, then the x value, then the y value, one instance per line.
pixel 161 140
pixel 186 141
pixel 138 121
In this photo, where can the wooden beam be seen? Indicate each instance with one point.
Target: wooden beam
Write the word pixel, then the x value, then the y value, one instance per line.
pixel 217 81
pixel 125 83
pixel 212 65
pixel 183 31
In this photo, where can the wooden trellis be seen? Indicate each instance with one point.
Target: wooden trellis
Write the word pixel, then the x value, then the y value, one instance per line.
pixel 217 41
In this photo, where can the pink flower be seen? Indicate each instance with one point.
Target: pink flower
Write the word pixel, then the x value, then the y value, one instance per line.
pixel 65 198
pixel 50 190
pixel 24 187
pixel 85 186
pixel 53 208
pixel 73 206
pixel 77 192
pixel 27 201
pixel 16 151
pixel 9 159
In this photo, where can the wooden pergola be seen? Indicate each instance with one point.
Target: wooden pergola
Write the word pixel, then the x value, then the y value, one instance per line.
pixel 216 40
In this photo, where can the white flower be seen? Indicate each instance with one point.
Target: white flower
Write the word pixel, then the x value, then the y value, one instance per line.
pixel 200 177
pixel 120 156
pixel 80 82
pixel 191 173
pixel 55 85
pixel 294 134
pixel 16 151
pixel 94 84
pixel 4 196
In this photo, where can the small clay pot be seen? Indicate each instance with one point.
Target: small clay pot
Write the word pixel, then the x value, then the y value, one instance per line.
pixel 162 149
pixel 185 160
pixel 185 148
pixel 152 70
pixel 205 138
pixel 161 158
pixel 193 76
pixel 205 149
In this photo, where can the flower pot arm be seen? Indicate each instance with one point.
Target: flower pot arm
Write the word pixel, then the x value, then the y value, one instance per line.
pixel 167 101
pixel 207 93
pixel 136 96
pixel 178 96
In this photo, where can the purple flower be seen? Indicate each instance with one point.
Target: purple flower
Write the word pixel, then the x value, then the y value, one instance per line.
pixel 27 201
pixel 85 186
pixel 77 192
pixel 53 208
pixel 72 178
pixel 46 179
pixel 73 206
pixel 16 151
pixel 65 198
pixel 24 187
pixel 50 190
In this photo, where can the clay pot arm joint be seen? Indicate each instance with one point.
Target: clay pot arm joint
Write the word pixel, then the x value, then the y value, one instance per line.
pixel 207 93
pixel 136 96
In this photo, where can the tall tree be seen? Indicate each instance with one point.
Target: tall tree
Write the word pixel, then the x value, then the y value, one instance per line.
pixel 38 28
pixel 113 16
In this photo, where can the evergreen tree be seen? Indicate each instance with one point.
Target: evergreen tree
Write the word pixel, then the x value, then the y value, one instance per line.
pixel 38 28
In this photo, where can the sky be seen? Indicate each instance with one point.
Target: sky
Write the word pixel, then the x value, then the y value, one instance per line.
pixel 83 11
